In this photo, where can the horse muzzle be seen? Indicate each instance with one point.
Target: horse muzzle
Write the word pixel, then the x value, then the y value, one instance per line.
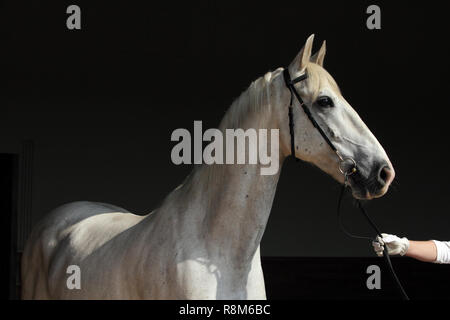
pixel 375 184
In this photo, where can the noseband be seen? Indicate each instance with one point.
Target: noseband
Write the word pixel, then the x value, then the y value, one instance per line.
pixel 343 161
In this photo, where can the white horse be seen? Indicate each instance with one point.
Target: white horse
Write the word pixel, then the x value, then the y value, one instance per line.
pixel 203 241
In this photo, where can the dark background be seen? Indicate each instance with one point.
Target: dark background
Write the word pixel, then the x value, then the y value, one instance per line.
pixel 100 104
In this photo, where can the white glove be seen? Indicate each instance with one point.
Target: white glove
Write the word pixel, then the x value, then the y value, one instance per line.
pixel 394 244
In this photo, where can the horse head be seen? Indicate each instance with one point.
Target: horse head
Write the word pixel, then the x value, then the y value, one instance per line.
pixel 338 121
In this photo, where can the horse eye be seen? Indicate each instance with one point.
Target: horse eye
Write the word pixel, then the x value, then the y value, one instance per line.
pixel 325 102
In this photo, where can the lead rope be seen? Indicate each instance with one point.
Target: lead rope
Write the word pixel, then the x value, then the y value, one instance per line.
pixel 346 172
pixel 386 257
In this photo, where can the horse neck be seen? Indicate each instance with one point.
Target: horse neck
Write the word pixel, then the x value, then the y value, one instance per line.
pixel 236 200
pixel 237 207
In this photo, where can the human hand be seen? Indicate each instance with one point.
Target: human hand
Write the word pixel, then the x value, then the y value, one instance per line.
pixel 394 245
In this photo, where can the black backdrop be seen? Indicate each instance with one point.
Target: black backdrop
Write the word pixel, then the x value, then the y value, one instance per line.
pixel 100 103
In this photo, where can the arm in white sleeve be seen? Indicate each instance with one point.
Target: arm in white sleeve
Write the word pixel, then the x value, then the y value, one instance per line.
pixel 443 251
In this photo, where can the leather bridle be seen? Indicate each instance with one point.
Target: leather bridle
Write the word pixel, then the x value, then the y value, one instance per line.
pixel 290 84
pixel 343 168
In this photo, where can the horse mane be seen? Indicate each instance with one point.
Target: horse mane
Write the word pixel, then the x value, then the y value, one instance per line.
pixel 255 99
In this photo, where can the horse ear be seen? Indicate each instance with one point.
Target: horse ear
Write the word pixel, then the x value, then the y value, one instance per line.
pixel 320 55
pixel 303 57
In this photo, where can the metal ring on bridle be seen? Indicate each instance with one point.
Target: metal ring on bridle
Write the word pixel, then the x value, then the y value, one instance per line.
pixel 351 169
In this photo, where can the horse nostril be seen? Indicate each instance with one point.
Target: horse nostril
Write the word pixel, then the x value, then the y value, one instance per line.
pixel 385 175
